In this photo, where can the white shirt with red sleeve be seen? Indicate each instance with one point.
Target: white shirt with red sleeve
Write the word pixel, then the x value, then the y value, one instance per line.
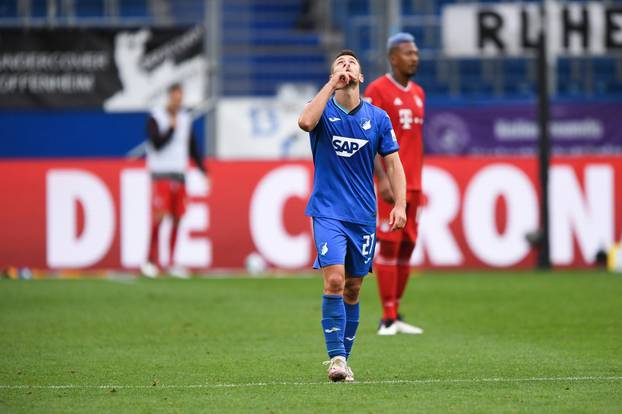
pixel 174 156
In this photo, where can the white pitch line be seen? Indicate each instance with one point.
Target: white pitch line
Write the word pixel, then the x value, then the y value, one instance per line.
pixel 123 281
pixel 269 384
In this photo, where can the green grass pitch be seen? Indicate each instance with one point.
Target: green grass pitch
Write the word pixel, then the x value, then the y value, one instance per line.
pixel 493 342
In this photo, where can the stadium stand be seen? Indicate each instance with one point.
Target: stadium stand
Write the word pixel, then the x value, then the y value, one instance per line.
pixel 266 43
pixel 508 78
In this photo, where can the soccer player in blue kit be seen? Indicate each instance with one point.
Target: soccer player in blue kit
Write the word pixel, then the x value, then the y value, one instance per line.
pixel 346 133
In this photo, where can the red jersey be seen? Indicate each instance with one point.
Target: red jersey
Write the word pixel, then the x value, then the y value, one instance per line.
pixel 405 106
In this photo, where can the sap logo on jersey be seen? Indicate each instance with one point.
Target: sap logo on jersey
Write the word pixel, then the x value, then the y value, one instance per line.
pixel 347 147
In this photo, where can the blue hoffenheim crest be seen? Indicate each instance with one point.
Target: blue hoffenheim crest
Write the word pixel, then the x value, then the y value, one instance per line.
pixel 365 123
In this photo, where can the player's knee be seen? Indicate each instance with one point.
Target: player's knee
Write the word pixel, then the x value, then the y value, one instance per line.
pixel 334 283
pixel 351 293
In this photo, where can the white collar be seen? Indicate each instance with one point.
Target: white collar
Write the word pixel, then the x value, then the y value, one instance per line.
pixel 396 83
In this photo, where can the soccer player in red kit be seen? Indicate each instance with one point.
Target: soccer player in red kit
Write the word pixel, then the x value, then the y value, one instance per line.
pixel 404 101
pixel 170 145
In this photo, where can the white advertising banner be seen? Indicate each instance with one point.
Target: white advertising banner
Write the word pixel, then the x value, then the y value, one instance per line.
pixel 478 213
pixel 263 127
pixel 511 29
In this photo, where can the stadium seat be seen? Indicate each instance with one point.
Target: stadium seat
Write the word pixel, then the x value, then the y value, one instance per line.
pixel 134 8
pixel 263 47
pixel 8 9
pixel 91 8
pixel 515 78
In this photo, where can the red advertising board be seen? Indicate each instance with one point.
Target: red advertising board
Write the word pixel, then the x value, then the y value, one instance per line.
pixel 94 213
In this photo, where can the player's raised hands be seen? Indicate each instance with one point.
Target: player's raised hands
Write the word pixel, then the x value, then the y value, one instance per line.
pixel 340 79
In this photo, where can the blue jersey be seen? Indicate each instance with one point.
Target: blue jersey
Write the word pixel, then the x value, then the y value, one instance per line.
pixel 344 146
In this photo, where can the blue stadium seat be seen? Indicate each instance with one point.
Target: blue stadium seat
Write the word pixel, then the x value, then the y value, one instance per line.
pixel 8 8
pixel 471 67
pixel 567 83
pixel 263 47
pixel 604 67
pixel 358 7
pixel 133 8
pixel 90 8
pixel 39 9
pixel 418 32
pixel 189 11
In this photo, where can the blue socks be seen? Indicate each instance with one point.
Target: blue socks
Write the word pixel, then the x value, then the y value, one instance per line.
pixel 339 322
pixel 352 323
pixel 334 324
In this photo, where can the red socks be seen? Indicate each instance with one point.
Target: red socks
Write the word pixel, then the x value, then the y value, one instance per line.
pixel 392 272
pixel 172 242
pixel 403 270
pixel 386 273
pixel 154 244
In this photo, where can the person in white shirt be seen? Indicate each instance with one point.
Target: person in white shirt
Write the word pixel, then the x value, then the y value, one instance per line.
pixel 171 143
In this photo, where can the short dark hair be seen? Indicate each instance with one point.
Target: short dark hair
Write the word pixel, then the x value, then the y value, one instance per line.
pixel 174 87
pixel 346 52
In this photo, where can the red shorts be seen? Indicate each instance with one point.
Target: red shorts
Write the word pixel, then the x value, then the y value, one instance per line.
pixel 168 197
pixel 411 230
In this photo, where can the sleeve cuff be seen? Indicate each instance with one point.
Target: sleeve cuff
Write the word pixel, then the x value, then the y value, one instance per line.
pixel 384 154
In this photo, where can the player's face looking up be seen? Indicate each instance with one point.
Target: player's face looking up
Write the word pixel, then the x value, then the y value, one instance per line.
pixel 349 64
pixel 404 58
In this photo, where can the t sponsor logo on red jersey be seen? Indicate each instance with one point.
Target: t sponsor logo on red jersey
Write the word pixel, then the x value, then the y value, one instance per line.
pixel 406 118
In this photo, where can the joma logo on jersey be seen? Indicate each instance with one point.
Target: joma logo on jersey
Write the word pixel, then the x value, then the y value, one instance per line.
pixel 347 147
